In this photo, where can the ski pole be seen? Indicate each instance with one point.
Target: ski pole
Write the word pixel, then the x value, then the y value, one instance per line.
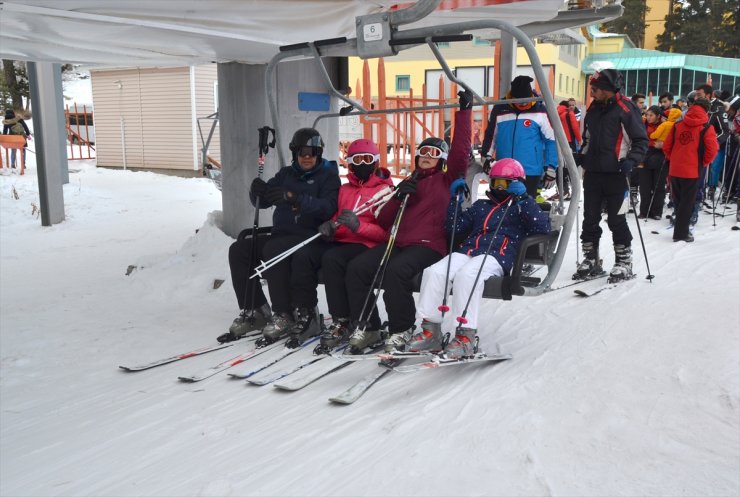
pixel 263 147
pixel 265 265
pixel 655 189
pixel 377 281
pixel 736 161
pixel 444 307
pixel 650 276
pixel 462 319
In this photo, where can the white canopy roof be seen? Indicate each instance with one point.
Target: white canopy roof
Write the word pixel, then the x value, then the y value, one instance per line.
pixel 169 33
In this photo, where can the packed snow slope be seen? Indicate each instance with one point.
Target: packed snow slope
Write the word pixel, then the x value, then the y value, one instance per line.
pixel 634 391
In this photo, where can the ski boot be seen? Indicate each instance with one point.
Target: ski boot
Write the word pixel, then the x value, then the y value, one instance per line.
pixel 398 341
pixel 361 339
pixel 337 334
pixel 465 344
pixel 737 212
pixel 430 338
pixel 695 214
pixel 247 322
pixel 276 329
pixel 622 269
pixel 591 266
pixel 711 192
pixel 307 325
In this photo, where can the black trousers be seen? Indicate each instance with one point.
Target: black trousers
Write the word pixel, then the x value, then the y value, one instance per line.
pixel 533 184
pixel 652 189
pixel 304 274
pixel 403 264
pixel 683 192
pixel 611 188
pixel 334 265
pixel 280 278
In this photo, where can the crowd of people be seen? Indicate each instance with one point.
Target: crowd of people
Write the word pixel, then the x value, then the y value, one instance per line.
pixel 372 235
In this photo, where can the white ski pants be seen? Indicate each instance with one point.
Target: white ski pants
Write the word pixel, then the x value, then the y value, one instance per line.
pixel 463 269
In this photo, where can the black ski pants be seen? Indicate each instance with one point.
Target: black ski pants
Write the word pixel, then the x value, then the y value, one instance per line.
pixel 652 189
pixel 305 273
pixel 403 264
pixel 612 189
pixel 683 192
pixel 334 265
pixel 280 278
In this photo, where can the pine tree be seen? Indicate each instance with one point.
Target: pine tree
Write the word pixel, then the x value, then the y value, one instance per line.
pixel 632 22
pixel 702 27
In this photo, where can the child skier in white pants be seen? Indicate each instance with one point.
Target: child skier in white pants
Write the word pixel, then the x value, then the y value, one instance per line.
pixel 494 228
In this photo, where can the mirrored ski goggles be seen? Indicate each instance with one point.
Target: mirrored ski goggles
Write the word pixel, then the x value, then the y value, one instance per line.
pixel 430 151
pixel 500 183
pixel 359 159
pixel 308 151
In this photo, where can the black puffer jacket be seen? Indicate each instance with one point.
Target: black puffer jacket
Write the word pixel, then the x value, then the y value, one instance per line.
pixel 316 192
pixel 613 130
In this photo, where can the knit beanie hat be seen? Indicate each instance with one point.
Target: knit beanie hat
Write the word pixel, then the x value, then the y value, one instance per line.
pixel 607 79
pixel 521 87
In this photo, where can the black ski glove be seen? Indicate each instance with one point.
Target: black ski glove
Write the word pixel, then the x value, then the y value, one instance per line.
pixel 466 100
pixel 277 195
pixel 349 219
pixel 258 188
pixel 327 230
pixel 406 187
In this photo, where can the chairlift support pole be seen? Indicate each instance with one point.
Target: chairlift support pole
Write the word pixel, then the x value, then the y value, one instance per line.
pixel 400 40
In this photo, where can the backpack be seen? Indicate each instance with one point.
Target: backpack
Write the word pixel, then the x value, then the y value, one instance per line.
pixel 17 129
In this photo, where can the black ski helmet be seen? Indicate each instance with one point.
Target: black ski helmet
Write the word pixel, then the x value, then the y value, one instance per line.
pixel 307 137
pixel 434 142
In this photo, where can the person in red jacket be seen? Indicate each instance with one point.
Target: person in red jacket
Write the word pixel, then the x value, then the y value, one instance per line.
pixel 421 239
pixel 573 133
pixel 690 148
pixel 351 231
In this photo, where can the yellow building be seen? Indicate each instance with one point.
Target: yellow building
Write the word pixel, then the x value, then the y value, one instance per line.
pixel 473 62
pixel 655 21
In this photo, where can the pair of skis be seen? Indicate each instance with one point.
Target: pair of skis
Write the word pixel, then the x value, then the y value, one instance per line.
pixel 394 362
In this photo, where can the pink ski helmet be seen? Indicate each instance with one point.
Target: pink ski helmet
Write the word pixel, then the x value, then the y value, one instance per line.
pixel 362 146
pixel 509 169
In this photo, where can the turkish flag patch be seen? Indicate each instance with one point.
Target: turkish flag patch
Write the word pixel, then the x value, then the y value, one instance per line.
pixel 527 123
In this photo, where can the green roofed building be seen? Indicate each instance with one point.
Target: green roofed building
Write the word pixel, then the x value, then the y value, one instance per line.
pixel 652 72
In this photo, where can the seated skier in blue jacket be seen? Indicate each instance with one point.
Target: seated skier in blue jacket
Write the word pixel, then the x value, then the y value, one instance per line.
pixel 494 228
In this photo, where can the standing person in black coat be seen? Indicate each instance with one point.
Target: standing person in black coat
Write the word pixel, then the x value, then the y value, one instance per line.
pixel 615 142
pixel 304 195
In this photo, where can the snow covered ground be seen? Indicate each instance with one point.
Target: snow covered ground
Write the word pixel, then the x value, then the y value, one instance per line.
pixel 635 391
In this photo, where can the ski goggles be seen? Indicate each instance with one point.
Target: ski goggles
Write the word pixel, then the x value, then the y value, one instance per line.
pixel 359 159
pixel 500 183
pixel 431 151
pixel 308 151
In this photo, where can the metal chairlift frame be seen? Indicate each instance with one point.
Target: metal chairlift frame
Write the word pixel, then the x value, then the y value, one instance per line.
pixel 390 42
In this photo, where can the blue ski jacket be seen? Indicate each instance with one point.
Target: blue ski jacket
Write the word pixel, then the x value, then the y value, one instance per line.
pixel 316 198
pixel 480 221
pixel 524 135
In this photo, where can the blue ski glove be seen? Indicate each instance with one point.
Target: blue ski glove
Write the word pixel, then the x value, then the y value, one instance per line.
pixel 517 189
pixel 626 165
pixel 458 187
pixel 349 219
